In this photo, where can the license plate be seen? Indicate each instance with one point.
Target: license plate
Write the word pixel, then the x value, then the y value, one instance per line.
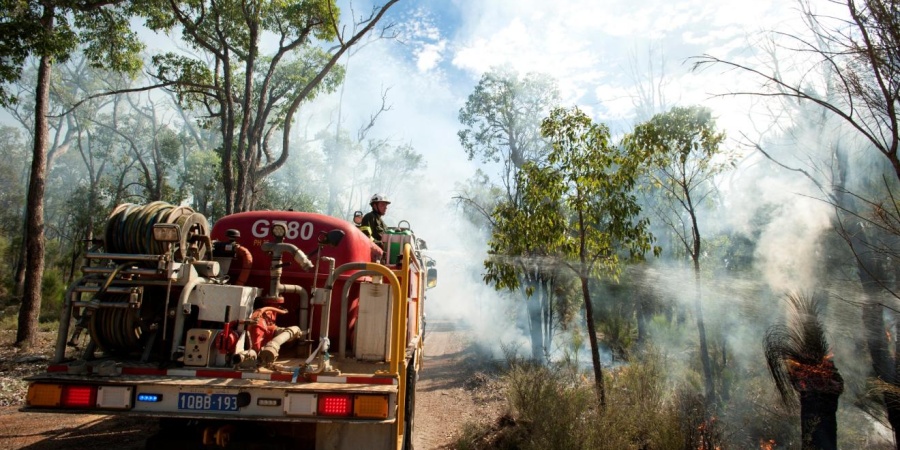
pixel 207 402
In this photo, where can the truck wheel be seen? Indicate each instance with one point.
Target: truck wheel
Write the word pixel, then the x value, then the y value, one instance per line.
pixel 410 406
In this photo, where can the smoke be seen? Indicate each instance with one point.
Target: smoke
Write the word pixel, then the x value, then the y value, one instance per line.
pixel 422 103
pixel 787 218
pixel 482 315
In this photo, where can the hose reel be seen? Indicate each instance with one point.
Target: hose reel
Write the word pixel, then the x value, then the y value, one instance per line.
pixel 120 329
pixel 129 230
pixel 118 325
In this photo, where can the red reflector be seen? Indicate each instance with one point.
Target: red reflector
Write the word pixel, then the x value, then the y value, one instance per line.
pixel 79 397
pixel 335 405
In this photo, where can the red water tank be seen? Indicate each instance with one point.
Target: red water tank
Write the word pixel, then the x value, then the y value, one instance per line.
pixel 304 231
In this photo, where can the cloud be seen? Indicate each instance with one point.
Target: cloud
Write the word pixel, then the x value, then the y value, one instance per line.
pixel 429 55
pixel 589 46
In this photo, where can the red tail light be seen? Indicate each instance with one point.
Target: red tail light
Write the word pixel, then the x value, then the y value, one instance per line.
pixel 335 405
pixel 79 397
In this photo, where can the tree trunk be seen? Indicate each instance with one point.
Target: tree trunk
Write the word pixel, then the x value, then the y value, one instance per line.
pixel 818 420
pixel 533 304
pixel 547 315
pixel 34 217
pixel 704 347
pixel 592 337
pixel 20 264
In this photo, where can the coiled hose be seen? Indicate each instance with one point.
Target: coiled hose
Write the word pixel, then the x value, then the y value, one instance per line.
pixel 129 228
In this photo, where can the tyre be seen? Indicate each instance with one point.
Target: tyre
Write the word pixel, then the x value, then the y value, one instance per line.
pixel 410 405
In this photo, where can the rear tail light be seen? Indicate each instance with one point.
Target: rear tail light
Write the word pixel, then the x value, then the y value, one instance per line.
pixel 297 404
pixel 79 396
pixel 114 397
pixel 370 406
pixel 324 404
pixel 44 395
pixel 335 405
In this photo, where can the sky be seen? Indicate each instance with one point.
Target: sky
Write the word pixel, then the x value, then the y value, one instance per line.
pixel 597 51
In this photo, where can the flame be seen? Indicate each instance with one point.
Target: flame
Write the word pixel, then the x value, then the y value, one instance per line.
pixel 822 376
pixel 766 444
pixel 705 436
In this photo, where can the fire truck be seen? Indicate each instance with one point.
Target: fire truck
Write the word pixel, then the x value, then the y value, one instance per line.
pixel 272 329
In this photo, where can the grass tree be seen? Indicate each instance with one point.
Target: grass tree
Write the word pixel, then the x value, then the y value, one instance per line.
pixel 580 209
pixel 801 364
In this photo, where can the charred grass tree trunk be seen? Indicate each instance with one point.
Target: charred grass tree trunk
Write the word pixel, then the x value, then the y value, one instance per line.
pixel 800 361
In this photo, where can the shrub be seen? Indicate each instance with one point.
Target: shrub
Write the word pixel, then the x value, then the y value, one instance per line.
pixel 52 295
pixel 555 407
pixel 552 404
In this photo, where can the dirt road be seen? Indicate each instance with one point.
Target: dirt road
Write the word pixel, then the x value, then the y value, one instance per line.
pixel 451 391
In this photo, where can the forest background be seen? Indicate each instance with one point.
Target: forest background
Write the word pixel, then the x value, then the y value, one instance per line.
pixel 672 172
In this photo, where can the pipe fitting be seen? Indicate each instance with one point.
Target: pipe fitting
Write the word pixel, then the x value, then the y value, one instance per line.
pixel 269 352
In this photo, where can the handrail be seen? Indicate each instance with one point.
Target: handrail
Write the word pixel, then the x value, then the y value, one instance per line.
pixel 398 322
pixel 395 284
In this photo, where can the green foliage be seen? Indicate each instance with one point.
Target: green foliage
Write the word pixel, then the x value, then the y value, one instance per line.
pixel 56 28
pixel 202 181
pixel 13 159
pixel 276 195
pixel 619 332
pixel 681 151
pixel 594 181
pixel 108 40
pixel 184 72
pixel 291 76
pixel 553 408
pixel 477 197
pixel 249 92
pixel 53 293
pixel 503 115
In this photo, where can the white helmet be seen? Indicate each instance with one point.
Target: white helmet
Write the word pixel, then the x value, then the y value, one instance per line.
pixel 379 198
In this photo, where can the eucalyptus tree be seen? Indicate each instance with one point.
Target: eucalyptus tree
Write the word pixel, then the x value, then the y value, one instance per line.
pixel 502 119
pixel 49 30
pixel 353 167
pixel 854 57
pixel 351 170
pixel 580 208
pixel 13 158
pixel 248 95
pixel 682 152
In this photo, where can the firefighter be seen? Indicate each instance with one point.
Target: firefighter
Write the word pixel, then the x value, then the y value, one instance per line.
pixel 373 219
